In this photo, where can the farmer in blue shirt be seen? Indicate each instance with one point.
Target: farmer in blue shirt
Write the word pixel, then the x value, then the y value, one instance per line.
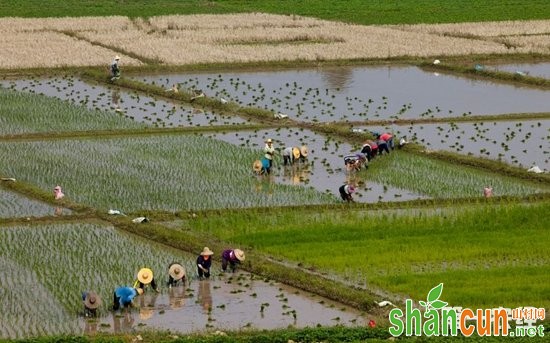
pixel 123 296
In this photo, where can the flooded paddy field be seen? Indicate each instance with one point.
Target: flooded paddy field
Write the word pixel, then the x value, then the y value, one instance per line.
pixel 361 93
pixel 50 274
pixel 531 69
pixel 14 205
pixel 134 105
pixel 229 302
pixel 523 143
pixel 324 170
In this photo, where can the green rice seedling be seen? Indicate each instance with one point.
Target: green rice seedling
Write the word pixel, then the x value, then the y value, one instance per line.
pixel 15 205
pixel 25 113
pixel 156 172
pixel 483 247
pixel 46 278
pixel 441 179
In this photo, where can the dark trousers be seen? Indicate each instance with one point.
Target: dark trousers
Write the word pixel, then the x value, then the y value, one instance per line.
pixel 116 302
pixel 153 284
pixel 367 151
pixel 202 273
pixel 383 147
pixel 172 282
pixel 287 160
pixel 232 264
pixel 345 196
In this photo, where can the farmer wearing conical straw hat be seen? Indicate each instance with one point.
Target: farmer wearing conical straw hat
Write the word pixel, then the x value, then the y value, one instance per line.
pixel 176 273
pixel 91 302
pixel 144 278
pixel 114 69
pixel 269 151
pixel 204 262
pixel 232 257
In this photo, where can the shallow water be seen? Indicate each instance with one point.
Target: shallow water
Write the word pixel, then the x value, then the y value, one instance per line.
pixel 531 69
pixel 230 302
pixel 137 106
pixel 14 205
pixel 522 143
pixel 361 93
pixel 324 170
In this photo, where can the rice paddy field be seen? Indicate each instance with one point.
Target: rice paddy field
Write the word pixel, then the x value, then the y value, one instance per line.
pixel 471 98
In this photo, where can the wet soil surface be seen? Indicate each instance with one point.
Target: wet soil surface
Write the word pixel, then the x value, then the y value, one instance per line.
pixel 229 302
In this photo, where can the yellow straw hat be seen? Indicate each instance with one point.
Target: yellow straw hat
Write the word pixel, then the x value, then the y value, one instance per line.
pixel 296 153
pixel 176 271
pixel 145 276
pixel 207 252
pixel 303 150
pixel 92 300
pixel 257 166
pixel 239 254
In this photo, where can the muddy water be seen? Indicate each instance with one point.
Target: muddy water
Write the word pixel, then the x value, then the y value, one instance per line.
pixel 531 69
pixel 139 107
pixel 523 143
pixel 13 205
pixel 361 93
pixel 230 302
pixel 324 170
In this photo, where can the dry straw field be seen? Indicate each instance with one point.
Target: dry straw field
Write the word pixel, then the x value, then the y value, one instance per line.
pixel 191 39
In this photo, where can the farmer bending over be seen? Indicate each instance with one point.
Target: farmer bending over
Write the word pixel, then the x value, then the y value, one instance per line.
pixel 232 257
pixel 204 262
pixel 123 296
pixel 176 273
pixel 144 278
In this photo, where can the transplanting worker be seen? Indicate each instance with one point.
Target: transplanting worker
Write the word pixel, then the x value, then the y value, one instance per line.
pixel 204 262
pixel 346 191
pixel 123 296
pixel 232 257
pixel 176 273
pixel 91 302
pixel 144 278
pixel 388 138
pixel 114 69
pixel 269 151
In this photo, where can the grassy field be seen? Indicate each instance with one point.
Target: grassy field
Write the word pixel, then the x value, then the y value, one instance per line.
pixel 356 11
pixel 485 256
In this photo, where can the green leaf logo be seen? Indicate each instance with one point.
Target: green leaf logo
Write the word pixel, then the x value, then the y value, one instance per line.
pixel 433 299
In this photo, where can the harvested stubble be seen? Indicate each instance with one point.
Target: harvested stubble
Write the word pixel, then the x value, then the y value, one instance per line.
pixel 235 38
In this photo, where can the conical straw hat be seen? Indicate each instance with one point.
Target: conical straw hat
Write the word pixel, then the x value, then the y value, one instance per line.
pixel 176 271
pixel 145 276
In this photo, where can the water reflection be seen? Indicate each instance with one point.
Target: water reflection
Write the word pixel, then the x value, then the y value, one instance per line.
pixel 90 326
pixel 296 174
pixel 176 297
pixel 147 305
pixel 337 78
pixel 205 296
pixel 123 323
